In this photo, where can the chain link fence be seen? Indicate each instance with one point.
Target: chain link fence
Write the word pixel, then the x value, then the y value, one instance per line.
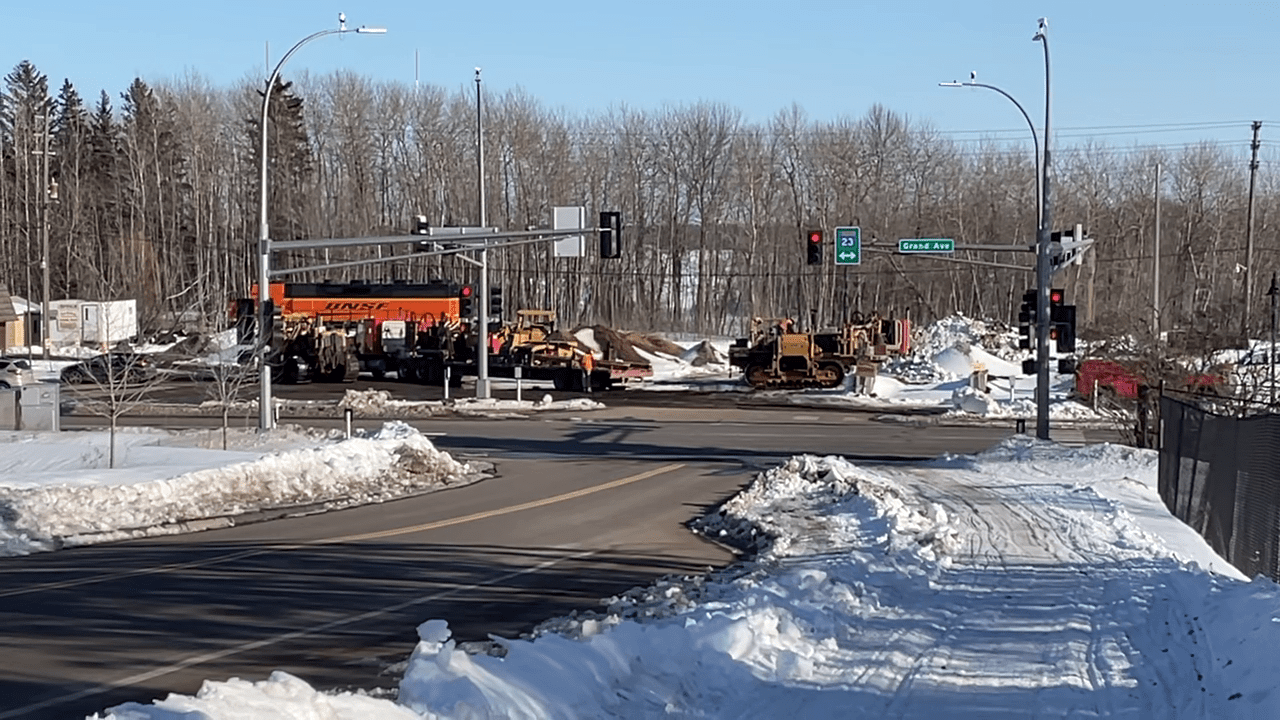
pixel 1221 476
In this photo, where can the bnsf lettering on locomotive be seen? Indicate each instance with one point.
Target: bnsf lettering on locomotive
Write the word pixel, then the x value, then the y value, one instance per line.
pixel 355 305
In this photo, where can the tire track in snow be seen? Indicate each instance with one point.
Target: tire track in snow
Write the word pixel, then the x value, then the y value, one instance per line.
pixel 1009 534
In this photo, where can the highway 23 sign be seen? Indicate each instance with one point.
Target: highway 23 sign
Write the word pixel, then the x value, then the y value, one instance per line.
pixel 926 245
pixel 848 246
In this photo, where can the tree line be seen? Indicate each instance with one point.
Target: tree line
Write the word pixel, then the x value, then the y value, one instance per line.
pixel 157 199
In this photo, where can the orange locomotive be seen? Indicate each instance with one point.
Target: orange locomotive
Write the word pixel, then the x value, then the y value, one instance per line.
pixel 422 303
pixel 332 331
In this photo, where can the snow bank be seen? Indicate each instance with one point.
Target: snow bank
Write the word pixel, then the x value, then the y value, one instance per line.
pixel 177 486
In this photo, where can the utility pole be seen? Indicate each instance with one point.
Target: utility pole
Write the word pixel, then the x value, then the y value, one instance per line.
pixel 1273 293
pixel 1155 268
pixel 1248 243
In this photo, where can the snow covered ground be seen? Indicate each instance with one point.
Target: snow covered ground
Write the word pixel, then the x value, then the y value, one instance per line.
pixel 1032 580
pixel 1028 581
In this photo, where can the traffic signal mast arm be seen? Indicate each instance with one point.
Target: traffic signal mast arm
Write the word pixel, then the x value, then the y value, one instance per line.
pixel 464 241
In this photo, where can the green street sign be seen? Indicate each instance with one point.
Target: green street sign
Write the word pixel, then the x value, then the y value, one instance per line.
pixel 926 245
pixel 848 246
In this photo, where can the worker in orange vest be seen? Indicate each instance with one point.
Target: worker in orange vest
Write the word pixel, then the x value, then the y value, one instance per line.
pixel 588 364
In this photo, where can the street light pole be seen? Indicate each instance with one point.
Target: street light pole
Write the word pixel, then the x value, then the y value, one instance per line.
pixel 482 334
pixel 266 418
pixel 1042 260
pixel 44 238
pixel 1035 142
pixel 1042 246
pixel 1042 257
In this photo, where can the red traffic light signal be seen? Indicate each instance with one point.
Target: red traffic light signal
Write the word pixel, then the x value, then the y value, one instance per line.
pixel 465 307
pixel 814 247
pixel 1057 296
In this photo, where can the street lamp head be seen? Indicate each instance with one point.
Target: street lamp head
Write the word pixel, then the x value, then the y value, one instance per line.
pixel 1040 33
pixel 371 30
pixel 953 83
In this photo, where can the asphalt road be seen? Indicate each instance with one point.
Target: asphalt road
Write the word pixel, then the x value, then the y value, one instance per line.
pixel 585 505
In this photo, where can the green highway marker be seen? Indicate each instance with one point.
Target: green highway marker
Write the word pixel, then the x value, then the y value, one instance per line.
pixel 926 245
pixel 848 246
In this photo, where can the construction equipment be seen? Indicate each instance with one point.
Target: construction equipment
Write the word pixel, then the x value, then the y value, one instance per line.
pixel 541 352
pixel 778 356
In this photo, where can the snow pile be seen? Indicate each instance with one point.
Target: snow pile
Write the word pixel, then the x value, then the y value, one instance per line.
pixel 73 500
pixel 282 696
pixel 381 403
pixel 703 354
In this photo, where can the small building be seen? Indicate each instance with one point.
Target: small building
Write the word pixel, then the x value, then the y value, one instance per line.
pixel 11 330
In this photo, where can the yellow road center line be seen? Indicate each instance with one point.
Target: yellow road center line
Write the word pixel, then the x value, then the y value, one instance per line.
pixel 502 511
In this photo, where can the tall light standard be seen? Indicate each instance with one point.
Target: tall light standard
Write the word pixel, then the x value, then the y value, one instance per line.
pixel 266 418
pixel 482 334
pixel 47 194
pixel 1043 222
pixel 1042 257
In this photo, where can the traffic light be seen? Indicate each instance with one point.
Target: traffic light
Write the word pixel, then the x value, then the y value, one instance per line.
pixel 1027 320
pixel 1062 321
pixel 1063 318
pixel 814 246
pixel 268 319
pixel 610 234
pixel 495 302
pixel 421 227
pixel 466 306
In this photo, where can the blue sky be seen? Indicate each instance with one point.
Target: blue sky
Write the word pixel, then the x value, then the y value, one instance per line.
pixel 1113 63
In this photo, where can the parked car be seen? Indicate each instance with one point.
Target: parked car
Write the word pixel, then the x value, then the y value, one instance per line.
pixel 234 364
pixel 15 373
pixel 129 368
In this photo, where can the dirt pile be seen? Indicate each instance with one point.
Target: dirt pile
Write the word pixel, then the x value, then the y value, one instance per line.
pixel 620 346
pixel 655 344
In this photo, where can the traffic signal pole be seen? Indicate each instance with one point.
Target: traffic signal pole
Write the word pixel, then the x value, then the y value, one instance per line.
pixel 482 332
pixel 1042 260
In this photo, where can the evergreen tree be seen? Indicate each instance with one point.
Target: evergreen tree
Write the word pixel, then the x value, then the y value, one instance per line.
pixel 291 162
pixel 23 118
pixel 69 163
pixel 156 172
pixel 102 182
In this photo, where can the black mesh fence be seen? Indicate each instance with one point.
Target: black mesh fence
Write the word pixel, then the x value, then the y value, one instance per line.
pixel 1221 476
